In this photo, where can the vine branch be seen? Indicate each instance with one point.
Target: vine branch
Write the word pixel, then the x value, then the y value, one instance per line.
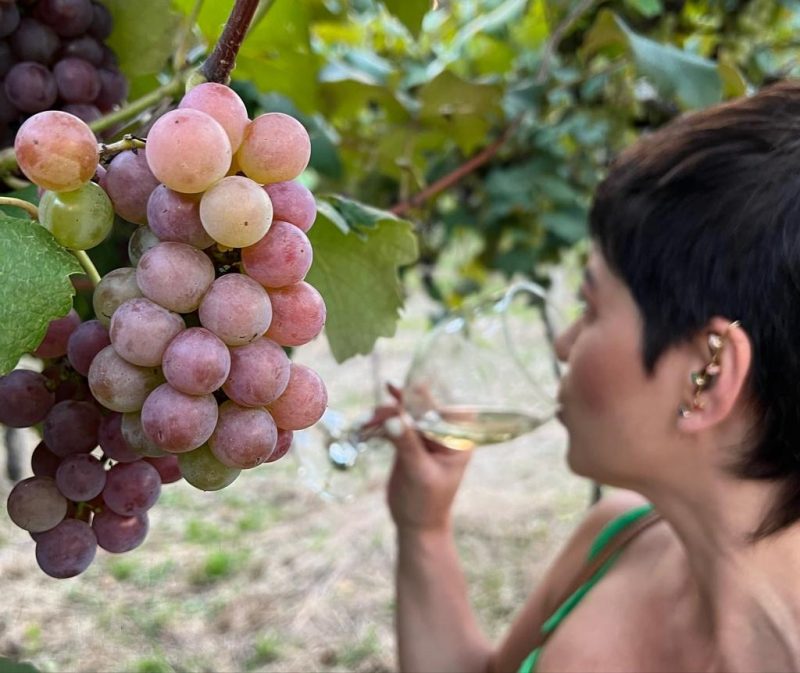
pixel 218 66
pixel 128 142
pixel 28 207
pixel 88 266
pixel 557 35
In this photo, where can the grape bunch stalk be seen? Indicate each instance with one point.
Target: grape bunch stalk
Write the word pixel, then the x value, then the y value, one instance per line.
pixel 184 371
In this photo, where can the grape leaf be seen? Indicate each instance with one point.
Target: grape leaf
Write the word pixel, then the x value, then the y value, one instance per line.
pixel 11 666
pixel 409 12
pixel 36 288
pixel 357 253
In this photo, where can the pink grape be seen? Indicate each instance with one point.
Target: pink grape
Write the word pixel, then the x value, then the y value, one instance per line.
pixel 84 343
pixel 196 362
pixel 236 212
pixel 237 309
pixel 177 422
pixel 67 550
pixel 188 150
pixel 36 505
pixel 44 462
pixel 25 398
pixel 80 477
pixel 133 434
pixel 129 182
pixel 113 442
pixel 57 151
pixel 114 289
pixel 259 373
pixel 303 402
pixel 243 438
pixel 173 216
pixel 283 257
pixel 223 104
pixel 71 427
pixel 175 276
pixel 282 446
pixel 117 384
pixel 132 488
pixel 293 202
pixel 201 469
pixel 275 148
pixel 141 330
pixel 168 468
pixel 54 343
pixel 298 314
pixel 118 534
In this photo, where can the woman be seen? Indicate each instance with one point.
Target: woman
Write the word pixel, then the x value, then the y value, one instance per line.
pixel 683 386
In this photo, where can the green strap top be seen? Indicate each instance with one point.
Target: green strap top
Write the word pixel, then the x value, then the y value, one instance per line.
pixel 610 531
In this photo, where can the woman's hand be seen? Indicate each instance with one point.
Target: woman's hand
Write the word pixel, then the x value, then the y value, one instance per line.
pixel 425 475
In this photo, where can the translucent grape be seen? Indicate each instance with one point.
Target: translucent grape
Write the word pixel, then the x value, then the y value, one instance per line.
pixel 80 219
pixel 44 462
pixel 223 104
pixel 67 550
pixel 56 150
pixel 275 148
pixel 117 384
pixel 133 434
pixel 168 468
pixel 283 257
pixel 36 505
pixel 129 183
pixel 196 362
pixel 303 402
pixel 236 212
pixel 71 427
pixel 177 422
pixel 84 343
pixel 30 87
pixel 77 80
pixel 118 534
pixel 188 150
pixel 113 442
pixel 113 290
pixel 259 373
pixel 34 42
pixel 292 202
pixel 132 488
pixel 173 216
pixel 298 314
pixel 282 446
pixel 54 343
pixel 25 398
pixel 202 470
pixel 80 477
pixel 141 330
pixel 175 276
pixel 237 309
pixel 243 438
pixel 140 242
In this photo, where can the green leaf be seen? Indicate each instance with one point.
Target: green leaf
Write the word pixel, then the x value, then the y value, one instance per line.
pixel 647 8
pixel 357 252
pixel 36 287
pixel 409 12
pixel 694 81
pixel 11 666
pixel 144 34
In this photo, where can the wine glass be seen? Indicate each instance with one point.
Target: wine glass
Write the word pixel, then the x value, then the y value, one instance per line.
pixel 483 375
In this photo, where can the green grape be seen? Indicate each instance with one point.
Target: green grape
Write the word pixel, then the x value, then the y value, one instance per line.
pixel 202 470
pixel 79 219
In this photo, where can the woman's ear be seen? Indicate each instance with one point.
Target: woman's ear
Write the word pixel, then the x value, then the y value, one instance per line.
pixel 712 391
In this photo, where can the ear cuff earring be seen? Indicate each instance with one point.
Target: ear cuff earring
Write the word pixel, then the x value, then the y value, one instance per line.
pixel 703 379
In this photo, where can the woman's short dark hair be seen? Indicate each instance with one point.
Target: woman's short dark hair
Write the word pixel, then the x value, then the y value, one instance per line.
pixel 702 218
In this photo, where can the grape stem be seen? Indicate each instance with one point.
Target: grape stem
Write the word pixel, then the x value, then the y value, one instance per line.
pixel 128 142
pixel 218 66
pixel 88 266
pixel 28 207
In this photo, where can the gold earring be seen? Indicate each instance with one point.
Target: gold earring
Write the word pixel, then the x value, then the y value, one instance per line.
pixel 703 379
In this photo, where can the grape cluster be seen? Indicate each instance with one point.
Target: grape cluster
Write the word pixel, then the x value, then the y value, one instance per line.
pixel 52 55
pixel 186 360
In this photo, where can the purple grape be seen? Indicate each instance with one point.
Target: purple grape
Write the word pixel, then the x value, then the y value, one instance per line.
pixel 237 309
pixel 77 80
pixel 113 442
pixel 196 362
pixel 168 468
pixel 132 488
pixel 69 18
pixel 6 58
pixel 54 343
pixel 8 112
pixel 175 276
pixel 80 477
pixel 30 87
pixel 177 422
pixel 118 534
pixel 282 446
pixel 25 398
pixel 140 242
pixel 134 435
pixel 110 60
pixel 66 550
pixel 243 438
pixel 36 505
pixel 33 41
pixel 173 216
pixel 71 427
pixel 44 462
pixel 141 330
pixel 85 47
pixel 259 373
pixel 129 183
pixel 9 20
pixel 86 113
pixel 102 22
pixel 113 88
pixel 85 343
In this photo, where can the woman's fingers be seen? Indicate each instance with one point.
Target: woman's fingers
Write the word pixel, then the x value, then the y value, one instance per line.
pixel 395 392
